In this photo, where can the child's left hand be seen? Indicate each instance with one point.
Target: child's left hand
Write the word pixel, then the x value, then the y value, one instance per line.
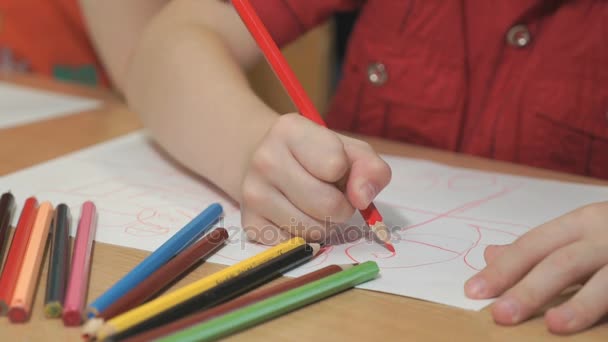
pixel 538 266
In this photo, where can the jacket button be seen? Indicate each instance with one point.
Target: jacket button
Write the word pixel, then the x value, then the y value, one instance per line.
pixel 377 74
pixel 518 36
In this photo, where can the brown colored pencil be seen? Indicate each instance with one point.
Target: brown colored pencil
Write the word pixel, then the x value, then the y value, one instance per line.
pixel 159 279
pixel 237 303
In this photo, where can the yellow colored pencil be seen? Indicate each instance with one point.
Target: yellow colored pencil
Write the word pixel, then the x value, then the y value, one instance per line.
pixel 152 308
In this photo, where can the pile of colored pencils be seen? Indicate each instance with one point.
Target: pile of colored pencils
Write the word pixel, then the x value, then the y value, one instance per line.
pixel 135 309
pixel 67 281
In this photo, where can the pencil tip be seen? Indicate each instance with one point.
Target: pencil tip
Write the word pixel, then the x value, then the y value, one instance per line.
pixel 390 247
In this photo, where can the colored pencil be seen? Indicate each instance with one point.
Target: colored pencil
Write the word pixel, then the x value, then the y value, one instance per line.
pixel 237 303
pixel 139 314
pixel 76 293
pixel 22 301
pixel 296 92
pixel 160 279
pixel 227 290
pixel 7 207
pixel 181 240
pixel 16 252
pixel 277 305
pixel 59 262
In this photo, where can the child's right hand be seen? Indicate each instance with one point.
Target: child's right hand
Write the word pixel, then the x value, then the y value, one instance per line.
pixel 289 188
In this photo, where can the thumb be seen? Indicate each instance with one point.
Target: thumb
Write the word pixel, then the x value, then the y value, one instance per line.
pixel 369 174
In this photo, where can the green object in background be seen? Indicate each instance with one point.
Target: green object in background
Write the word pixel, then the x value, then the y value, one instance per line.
pixel 277 305
pixel 84 74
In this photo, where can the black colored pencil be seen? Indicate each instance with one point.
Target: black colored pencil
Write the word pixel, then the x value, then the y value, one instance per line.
pixel 58 262
pixel 225 291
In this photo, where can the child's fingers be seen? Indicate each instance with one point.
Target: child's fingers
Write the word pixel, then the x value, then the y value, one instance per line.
pixel 320 200
pixel 493 251
pixel 264 200
pixel 319 150
pixel 584 309
pixel 261 230
pixel 369 174
pixel 520 256
pixel 548 279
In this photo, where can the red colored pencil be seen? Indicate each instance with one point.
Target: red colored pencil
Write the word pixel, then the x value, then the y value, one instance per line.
pixel 297 94
pixel 10 273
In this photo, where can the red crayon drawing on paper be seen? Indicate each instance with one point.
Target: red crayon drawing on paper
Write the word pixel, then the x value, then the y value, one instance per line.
pixel 429 242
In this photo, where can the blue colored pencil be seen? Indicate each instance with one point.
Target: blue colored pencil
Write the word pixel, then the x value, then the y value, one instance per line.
pixel 189 234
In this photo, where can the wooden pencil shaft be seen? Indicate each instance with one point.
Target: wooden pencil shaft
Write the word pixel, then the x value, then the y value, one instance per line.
pixel 226 290
pixel 234 304
pixel 166 274
pixel 60 257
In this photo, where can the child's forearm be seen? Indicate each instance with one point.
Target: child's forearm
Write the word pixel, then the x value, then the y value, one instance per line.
pixel 115 26
pixel 191 92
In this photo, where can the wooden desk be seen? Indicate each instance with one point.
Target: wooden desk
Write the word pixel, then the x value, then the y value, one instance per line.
pixel 355 315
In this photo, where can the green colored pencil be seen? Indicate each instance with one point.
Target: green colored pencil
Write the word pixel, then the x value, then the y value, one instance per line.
pixel 277 305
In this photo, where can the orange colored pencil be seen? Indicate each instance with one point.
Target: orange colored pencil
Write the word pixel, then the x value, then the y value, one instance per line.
pixel 14 258
pixel 21 303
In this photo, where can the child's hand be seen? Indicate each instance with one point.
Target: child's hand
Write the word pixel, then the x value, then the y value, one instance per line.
pixel 537 267
pixel 289 189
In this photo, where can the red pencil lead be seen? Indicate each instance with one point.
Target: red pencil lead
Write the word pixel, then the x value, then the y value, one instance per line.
pixel 390 247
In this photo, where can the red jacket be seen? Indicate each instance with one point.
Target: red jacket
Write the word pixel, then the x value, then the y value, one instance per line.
pixel 524 81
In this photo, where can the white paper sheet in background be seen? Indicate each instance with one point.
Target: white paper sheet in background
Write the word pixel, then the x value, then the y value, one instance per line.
pixel 22 105
pixel 444 216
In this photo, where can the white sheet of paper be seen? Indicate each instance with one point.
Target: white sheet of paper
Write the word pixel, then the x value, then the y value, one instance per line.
pixel 443 216
pixel 21 105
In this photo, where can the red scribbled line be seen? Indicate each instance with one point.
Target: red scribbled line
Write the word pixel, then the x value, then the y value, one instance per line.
pixel 349 255
pixel 138 230
pixel 456 217
pixel 500 231
pixel 466 261
pixel 125 184
pixel 434 180
pixel 462 208
pixel 453 182
pixel 187 215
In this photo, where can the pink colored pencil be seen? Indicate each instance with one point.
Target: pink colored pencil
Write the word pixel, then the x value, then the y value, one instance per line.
pixel 76 294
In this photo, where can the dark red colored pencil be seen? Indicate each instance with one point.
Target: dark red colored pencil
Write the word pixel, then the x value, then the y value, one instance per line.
pixel 7 207
pixel 237 303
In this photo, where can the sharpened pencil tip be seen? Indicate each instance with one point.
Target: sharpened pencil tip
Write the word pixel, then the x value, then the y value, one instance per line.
pixel 390 247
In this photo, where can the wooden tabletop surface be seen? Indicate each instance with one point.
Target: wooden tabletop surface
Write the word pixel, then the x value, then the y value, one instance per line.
pixel 353 315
